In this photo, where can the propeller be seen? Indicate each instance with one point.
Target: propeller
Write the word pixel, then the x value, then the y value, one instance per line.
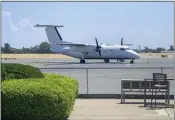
pixel 122 41
pixel 97 49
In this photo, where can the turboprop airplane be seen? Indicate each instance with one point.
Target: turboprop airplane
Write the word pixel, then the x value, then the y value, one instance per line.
pixel 86 51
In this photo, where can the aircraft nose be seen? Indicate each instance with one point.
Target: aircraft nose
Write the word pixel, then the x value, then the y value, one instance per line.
pixel 135 55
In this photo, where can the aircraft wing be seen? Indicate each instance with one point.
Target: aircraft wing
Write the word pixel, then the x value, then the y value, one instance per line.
pixel 72 44
pixel 78 47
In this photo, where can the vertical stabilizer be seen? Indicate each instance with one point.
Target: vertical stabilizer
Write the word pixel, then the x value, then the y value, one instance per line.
pixel 54 37
pixel 52 33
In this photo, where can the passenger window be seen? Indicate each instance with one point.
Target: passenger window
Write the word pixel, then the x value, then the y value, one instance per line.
pixel 122 48
pixel 128 49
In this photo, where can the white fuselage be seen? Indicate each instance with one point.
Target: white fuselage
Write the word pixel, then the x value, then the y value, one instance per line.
pixel 84 51
pixel 107 52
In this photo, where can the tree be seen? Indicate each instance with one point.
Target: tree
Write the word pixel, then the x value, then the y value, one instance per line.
pixel 19 51
pixel 140 47
pixel 7 48
pixel 171 48
pixel 146 49
pixel 44 47
pixel 25 50
pixel 34 49
pixel 2 49
pixel 159 49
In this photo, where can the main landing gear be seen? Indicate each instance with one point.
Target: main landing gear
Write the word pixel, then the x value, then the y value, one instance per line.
pixel 82 61
pixel 83 57
pixel 106 60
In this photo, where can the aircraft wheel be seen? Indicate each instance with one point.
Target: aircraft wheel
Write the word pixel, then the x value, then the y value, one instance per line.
pixel 132 61
pixel 121 60
pixel 106 60
pixel 82 61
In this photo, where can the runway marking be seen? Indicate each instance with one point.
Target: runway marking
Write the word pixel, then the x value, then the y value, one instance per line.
pixel 161 112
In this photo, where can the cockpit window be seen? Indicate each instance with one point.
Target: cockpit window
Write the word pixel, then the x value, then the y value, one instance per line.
pixel 122 49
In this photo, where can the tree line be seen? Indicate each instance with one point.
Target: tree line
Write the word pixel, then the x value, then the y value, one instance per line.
pixel 157 50
pixel 44 47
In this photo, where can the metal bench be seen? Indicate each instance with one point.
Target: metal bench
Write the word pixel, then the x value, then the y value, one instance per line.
pixel 136 86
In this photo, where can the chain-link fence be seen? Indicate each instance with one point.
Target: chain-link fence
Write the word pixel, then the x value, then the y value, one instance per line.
pixel 108 80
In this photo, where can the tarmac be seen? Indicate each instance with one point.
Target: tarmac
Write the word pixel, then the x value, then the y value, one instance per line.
pixel 75 63
pixel 111 109
pixel 102 78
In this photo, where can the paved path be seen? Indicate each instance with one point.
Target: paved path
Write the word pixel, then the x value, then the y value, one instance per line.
pixel 111 109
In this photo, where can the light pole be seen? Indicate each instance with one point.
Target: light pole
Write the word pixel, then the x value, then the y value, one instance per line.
pixel 174 62
pixel 174 74
pixel 174 71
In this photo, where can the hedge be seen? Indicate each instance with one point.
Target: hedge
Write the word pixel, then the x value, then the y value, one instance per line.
pixel 48 98
pixel 19 71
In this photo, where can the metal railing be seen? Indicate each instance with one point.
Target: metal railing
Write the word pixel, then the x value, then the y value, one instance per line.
pixel 107 81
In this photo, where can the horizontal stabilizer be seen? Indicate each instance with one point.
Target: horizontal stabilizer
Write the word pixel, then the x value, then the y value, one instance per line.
pixel 127 44
pixel 37 25
pixel 123 43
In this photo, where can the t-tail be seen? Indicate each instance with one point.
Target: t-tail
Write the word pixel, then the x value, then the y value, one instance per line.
pixel 123 43
pixel 53 36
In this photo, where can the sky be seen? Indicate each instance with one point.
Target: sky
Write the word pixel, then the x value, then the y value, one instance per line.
pixel 139 23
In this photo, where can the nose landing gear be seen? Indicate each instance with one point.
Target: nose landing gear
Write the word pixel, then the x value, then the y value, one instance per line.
pixel 132 62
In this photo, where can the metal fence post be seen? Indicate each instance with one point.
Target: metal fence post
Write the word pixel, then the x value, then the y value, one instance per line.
pixel 161 69
pixel 87 81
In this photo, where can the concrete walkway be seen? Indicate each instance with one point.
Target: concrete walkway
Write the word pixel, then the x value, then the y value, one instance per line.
pixel 111 109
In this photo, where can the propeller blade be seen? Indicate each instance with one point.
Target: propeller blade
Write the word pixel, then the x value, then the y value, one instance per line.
pixel 96 41
pixel 100 53
pixel 98 47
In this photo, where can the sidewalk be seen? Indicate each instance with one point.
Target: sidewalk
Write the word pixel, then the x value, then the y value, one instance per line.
pixel 111 109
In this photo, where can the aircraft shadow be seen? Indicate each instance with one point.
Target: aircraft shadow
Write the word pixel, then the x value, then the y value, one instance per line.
pixel 77 63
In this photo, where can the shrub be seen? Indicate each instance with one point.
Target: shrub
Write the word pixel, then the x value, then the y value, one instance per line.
pixel 19 71
pixel 48 98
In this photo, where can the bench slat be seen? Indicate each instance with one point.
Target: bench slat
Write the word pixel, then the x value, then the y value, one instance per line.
pixel 140 85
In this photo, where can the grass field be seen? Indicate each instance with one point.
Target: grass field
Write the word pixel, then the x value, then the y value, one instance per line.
pixel 156 55
pixel 18 56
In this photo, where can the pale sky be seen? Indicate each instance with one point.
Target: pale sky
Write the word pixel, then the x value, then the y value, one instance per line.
pixel 140 23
